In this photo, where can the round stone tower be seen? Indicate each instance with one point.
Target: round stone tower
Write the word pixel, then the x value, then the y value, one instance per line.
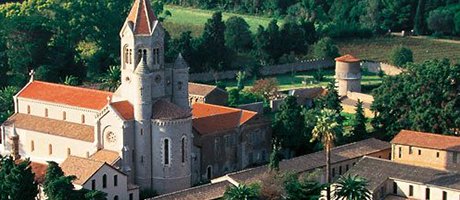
pixel 348 74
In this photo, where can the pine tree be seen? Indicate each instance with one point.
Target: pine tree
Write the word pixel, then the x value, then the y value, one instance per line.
pixel 213 44
pixel 274 164
pixel 56 185
pixel 331 100
pixel 6 165
pixel 359 126
pixel 21 183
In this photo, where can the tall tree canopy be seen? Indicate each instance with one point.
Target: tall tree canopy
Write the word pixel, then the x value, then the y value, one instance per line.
pixel 423 98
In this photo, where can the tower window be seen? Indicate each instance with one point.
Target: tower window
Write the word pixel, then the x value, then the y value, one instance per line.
pixel 130 55
pixel 183 150
pixel 156 56
pixel 115 180
pixel 144 55
pixel 32 145
pixel 104 181
pixel 166 152
pixel 209 172
pixel 126 54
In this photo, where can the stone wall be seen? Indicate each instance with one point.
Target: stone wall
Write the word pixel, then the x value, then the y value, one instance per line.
pixel 376 67
pixel 266 71
pixel 256 107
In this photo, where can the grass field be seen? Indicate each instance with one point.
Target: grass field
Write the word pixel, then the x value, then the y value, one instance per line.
pixel 379 48
pixel 194 20
pixel 291 81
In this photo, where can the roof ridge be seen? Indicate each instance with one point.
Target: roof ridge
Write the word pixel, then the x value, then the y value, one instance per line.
pixel 74 87
pixel 213 86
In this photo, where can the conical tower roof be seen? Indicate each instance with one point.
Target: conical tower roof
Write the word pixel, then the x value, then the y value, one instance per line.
pixel 142 17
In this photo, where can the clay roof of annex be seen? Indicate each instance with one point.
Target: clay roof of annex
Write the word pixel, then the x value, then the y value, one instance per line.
pixel 376 171
pixel 202 89
pixel 315 160
pixel 347 58
pixel 124 109
pixel 66 95
pixel 110 157
pixel 142 17
pixel 208 118
pixel 207 191
pixel 52 127
pixel 82 168
pixel 164 110
pixel 427 140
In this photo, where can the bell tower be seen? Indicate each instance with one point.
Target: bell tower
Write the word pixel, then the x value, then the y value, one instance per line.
pixel 142 72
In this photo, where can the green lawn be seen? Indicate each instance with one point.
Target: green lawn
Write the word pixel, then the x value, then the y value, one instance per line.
pixel 379 48
pixel 194 19
pixel 291 81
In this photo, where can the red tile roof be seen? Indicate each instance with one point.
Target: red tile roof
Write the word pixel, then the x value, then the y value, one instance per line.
pixel 67 95
pixel 202 89
pixel 208 118
pixel 142 16
pixel 427 140
pixel 39 170
pixel 347 58
pixel 52 126
pixel 125 109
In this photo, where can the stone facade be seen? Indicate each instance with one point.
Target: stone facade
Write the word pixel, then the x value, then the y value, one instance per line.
pixel 348 74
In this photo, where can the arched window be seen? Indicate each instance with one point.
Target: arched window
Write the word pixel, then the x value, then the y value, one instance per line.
pixel 156 56
pixel 130 56
pixel 46 112
pixel 115 197
pixel 64 115
pixel 93 184
pixel 28 109
pixel 32 145
pixel 104 181
pixel 125 55
pixel 144 55
pixel 209 172
pixel 139 55
pixel 69 152
pixel 50 149
pixel 183 149
pixel 166 152
pixel 83 119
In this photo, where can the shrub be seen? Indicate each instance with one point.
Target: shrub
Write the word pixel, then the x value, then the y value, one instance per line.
pixel 441 21
pixel 401 55
pixel 325 48
pixel 344 30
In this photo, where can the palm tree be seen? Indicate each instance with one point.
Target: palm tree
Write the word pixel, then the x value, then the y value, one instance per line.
pixel 242 192
pixel 351 188
pixel 111 80
pixel 325 131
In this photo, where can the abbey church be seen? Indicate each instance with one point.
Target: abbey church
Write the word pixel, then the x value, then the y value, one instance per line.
pixel 145 135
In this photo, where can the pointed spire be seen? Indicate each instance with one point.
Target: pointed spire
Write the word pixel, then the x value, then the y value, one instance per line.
pixel 180 62
pixel 142 17
pixel 141 68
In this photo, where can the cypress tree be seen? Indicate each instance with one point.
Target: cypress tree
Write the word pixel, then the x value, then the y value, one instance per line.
pixel 359 126
pixel 20 182
pixel 419 23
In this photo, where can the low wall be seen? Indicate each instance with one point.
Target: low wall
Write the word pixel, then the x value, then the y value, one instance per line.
pixel 376 67
pixel 266 71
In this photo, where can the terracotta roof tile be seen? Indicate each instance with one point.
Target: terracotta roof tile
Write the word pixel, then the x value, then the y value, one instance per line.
pixel 82 168
pixel 125 109
pixel 347 58
pixel 39 170
pixel 208 118
pixel 315 160
pixel 142 16
pixel 427 140
pixel 52 126
pixel 308 93
pixel 201 89
pixel 165 110
pixel 377 171
pixel 202 192
pixel 110 157
pixel 67 95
